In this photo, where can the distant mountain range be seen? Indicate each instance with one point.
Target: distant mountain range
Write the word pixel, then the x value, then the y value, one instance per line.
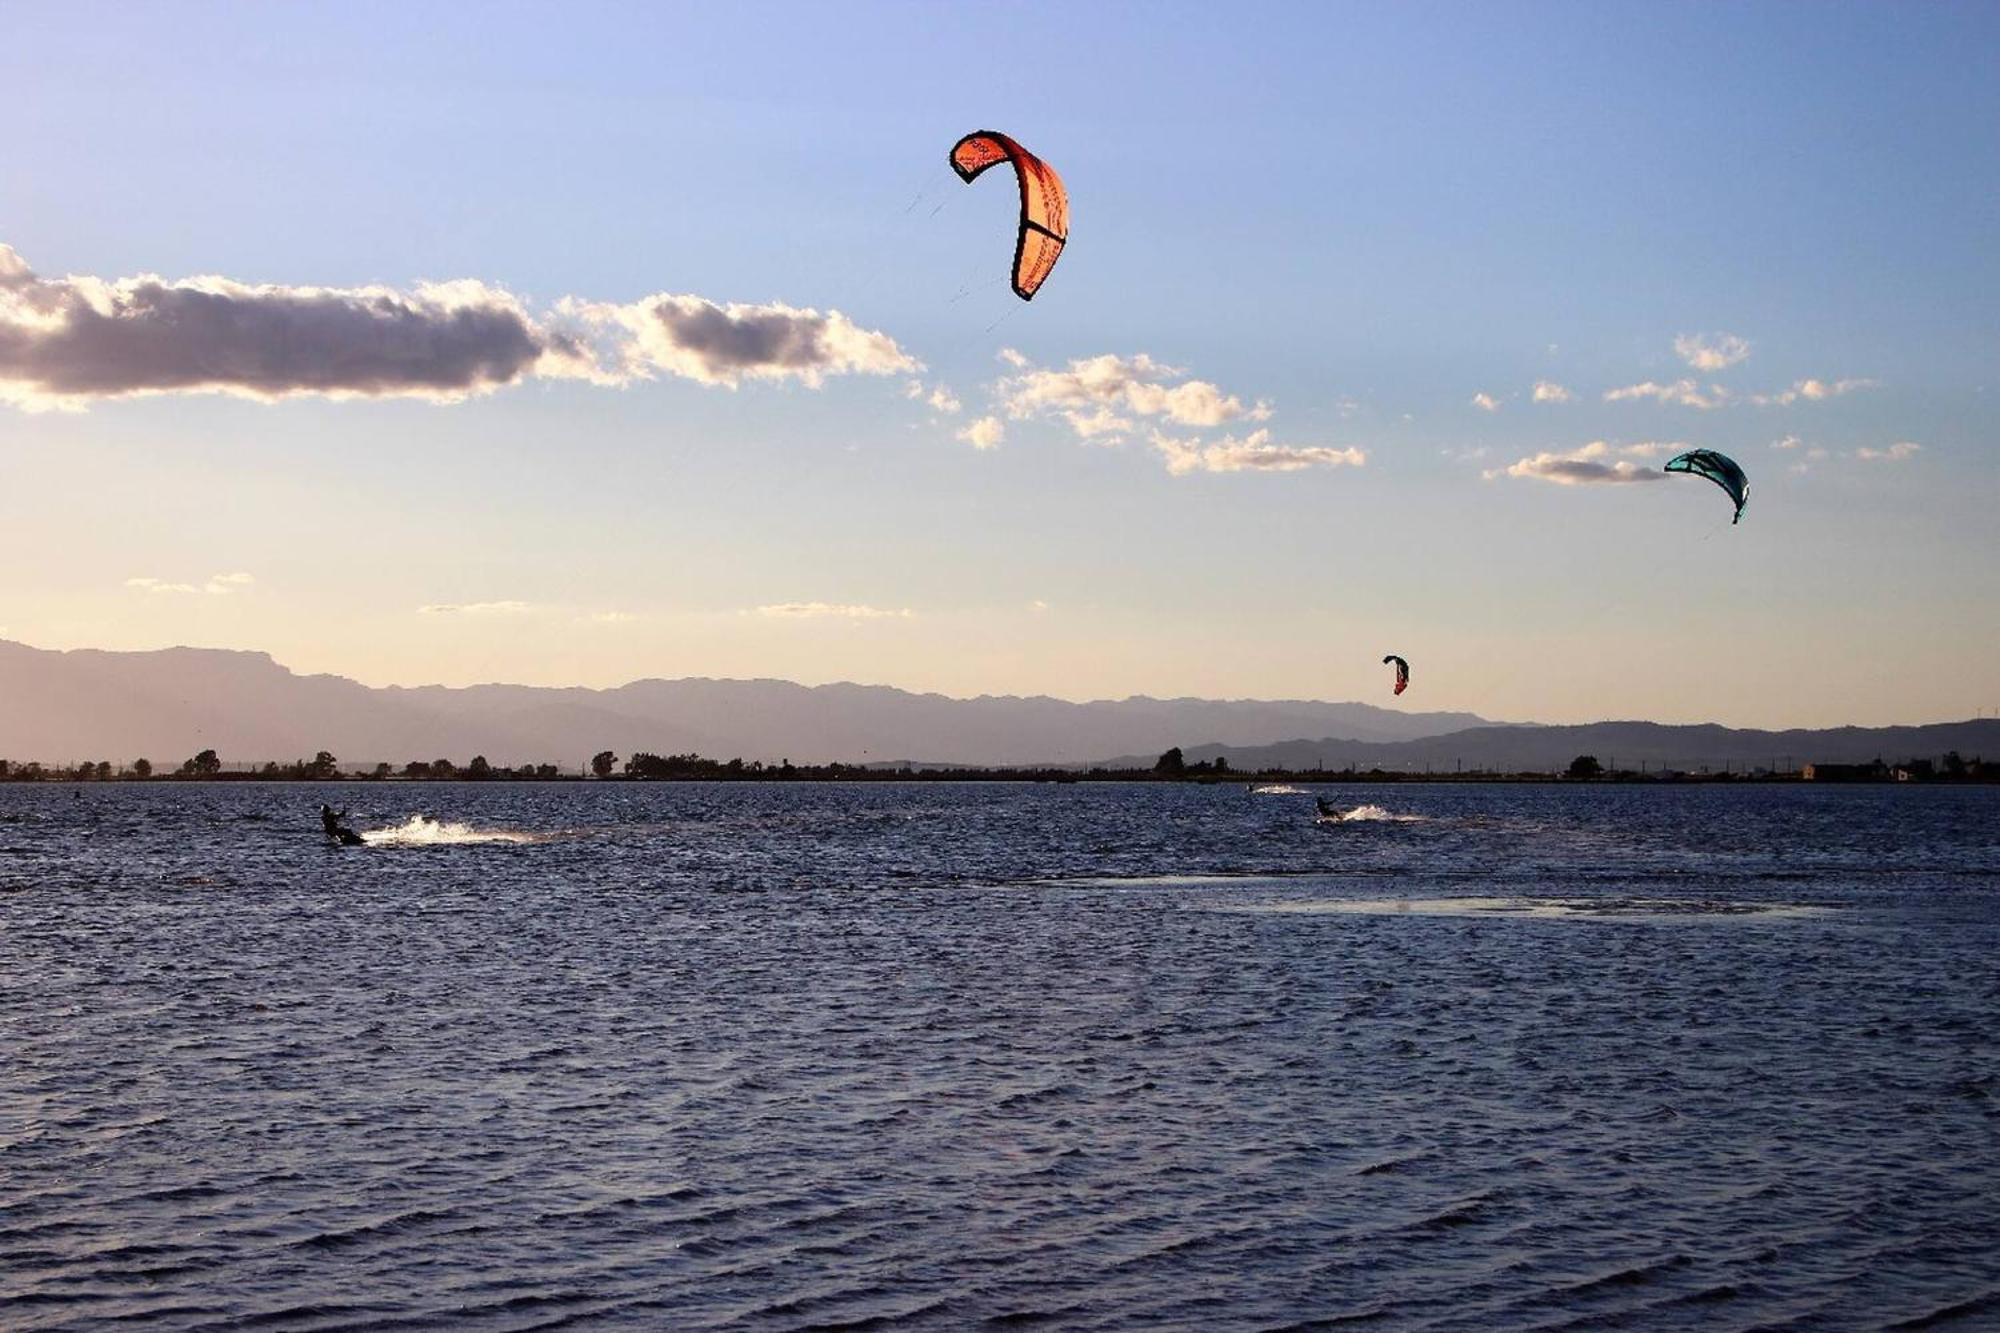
pixel 1628 745
pixel 64 707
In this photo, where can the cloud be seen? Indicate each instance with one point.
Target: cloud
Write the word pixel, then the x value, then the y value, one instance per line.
pixel 1595 462
pixel 610 618
pixel 65 342
pixel 1253 453
pixel 819 610
pixel 723 345
pixel 1038 606
pixel 938 398
pixel 1711 351
pixel 1895 453
pixel 1789 442
pixel 1486 402
pixel 1685 393
pixel 985 433
pixel 1548 391
pixel 1012 358
pixel 1101 423
pixel 1091 389
pixel 506 608
pixel 1812 391
pixel 216 585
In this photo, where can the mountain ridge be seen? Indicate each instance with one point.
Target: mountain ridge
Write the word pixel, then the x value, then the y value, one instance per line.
pixel 65 705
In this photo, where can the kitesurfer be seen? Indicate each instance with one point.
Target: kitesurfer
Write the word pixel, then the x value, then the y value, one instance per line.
pixel 1327 809
pixel 335 830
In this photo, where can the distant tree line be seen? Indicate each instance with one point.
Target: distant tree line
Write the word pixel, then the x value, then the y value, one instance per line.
pixel 1172 766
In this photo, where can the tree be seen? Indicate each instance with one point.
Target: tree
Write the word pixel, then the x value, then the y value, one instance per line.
pixel 1171 764
pixel 443 768
pixel 479 770
pixel 1585 766
pixel 603 763
pixel 381 771
pixel 104 770
pixel 142 768
pixel 203 765
pixel 323 767
pixel 416 768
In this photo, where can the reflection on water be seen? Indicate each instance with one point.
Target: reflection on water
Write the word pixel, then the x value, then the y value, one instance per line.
pixel 800 1057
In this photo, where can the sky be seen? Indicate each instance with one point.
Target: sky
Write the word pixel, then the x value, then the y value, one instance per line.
pixel 585 343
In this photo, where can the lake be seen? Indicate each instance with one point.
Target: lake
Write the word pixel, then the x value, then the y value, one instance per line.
pixel 946 1055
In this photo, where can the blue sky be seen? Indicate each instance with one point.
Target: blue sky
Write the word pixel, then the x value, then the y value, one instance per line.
pixel 1361 218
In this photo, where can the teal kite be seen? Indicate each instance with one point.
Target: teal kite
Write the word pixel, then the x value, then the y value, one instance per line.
pixel 1718 468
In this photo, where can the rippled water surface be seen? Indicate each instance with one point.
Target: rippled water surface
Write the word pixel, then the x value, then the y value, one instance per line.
pixel 1084 1056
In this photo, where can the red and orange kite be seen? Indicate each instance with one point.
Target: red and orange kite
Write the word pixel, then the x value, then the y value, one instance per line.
pixel 1044 203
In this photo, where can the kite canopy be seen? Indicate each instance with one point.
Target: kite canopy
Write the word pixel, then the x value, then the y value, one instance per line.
pixel 1718 468
pixel 1044 203
pixel 1402 672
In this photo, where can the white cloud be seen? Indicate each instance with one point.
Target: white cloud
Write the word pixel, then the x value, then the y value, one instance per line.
pixel 832 610
pixel 1093 387
pixel 1895 453
pixel 985 433
pixel 1253 453
pixel 1486 402
pixel 714 344
pixel 610 618
pixel 504 608
pixel 65 342
pixel 1711 351
pixel 216 585
pixel 1038 606
pixel 1789 442
pixel 1684 393
pixel 1548 391
pixel 1596 462
pixel 1811 391
pixel 938 398
pixel 1012 358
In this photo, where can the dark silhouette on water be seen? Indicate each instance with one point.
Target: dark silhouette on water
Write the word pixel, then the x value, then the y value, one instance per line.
pixel 336 832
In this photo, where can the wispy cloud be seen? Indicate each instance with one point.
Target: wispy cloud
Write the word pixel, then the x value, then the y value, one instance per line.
pixel 1811 391
pixel 1711 351
pixel 1596 462
pixel 504 608
pixel 985 433
pixel 1895 453
pixel 1683 393
pixel 1789 442
pixel 1486 402
pixel 216 585
pixel 1252 453
pixel 1088 389
pixel 1548 391
pixel 65 342
pixel 609 618
pixel 832 610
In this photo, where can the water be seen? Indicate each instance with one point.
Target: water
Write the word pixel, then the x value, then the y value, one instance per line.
pixel 787 1057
